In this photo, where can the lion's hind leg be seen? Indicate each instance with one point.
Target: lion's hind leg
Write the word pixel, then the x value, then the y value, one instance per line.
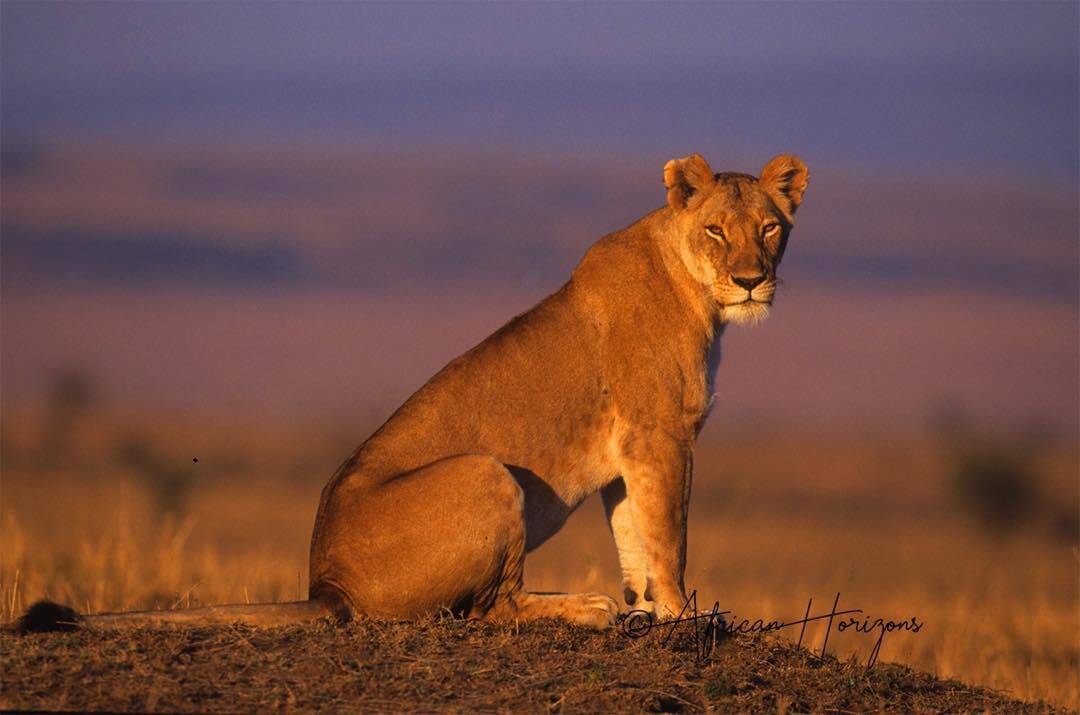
pixel 458 543
pixel 593 610
pixel 496 501
pixel 504 597
pixel 440 537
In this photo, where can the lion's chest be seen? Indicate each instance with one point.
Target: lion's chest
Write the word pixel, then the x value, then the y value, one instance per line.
pixel 707 397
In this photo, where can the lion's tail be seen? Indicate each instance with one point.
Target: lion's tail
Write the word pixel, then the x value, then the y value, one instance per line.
pixel 49 616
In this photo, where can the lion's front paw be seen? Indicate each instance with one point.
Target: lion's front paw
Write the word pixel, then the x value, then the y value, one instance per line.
pixel 668 609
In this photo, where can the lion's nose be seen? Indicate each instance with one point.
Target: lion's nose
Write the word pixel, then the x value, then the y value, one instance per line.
pixel 749 282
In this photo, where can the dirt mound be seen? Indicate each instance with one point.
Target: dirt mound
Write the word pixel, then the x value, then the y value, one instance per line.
pixel 455 665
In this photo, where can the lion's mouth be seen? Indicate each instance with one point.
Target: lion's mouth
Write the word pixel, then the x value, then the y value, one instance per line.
pixel 746 311
pixel 729 298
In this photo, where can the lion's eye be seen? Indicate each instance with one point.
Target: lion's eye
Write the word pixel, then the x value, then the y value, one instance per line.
pixel 770 230
pixel 715 232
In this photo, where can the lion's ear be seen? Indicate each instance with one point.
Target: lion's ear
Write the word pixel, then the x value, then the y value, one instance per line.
pixel 686 177
pixel 785 179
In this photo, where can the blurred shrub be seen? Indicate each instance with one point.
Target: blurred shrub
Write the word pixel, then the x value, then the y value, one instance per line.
pixel 170 480
pixel 996 479
pixel 995 482
pixel 72 397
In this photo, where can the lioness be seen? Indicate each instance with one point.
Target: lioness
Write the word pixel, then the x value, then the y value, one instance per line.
pixel 603 386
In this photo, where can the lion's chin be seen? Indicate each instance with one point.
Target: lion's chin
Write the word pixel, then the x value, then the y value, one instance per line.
pixel 750 312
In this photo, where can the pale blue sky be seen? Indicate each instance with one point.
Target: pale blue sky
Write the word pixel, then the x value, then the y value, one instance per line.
pixel 953 85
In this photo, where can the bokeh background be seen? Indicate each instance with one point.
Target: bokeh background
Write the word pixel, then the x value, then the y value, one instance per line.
pixel 244 233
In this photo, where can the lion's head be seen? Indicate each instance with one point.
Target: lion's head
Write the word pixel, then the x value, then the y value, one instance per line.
pixel 731 229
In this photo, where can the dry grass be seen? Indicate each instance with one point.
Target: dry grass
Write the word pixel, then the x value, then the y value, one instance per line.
pixel 776 519
pixel 455 666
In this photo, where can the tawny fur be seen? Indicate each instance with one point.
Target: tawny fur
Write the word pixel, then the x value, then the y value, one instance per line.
pixel 603 386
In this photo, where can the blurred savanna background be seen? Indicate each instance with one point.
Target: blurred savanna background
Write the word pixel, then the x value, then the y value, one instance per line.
pixel 235 237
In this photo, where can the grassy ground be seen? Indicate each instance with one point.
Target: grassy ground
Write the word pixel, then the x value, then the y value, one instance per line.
pixel 122 517
pixel 457 666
